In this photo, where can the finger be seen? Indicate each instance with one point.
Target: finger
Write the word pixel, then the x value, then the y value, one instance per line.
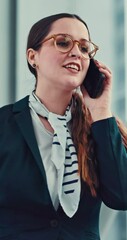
pixel 103 66
pixel 105 71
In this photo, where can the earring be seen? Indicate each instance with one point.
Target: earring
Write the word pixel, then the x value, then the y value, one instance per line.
pixel 34 65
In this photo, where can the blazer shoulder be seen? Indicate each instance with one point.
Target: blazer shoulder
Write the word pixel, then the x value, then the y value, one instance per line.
pixel 5 110
pixel 8 110
pixel 21 104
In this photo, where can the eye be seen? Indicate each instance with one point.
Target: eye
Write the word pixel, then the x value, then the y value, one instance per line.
pixel 85 46
pixel 84 49
pixel 63 42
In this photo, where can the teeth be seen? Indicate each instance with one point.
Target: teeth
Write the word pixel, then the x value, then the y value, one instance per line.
pixel 73 66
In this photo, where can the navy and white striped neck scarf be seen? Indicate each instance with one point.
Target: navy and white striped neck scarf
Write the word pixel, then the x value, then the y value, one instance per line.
pixel 63 155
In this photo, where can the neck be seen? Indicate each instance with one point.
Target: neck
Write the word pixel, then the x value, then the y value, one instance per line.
pixel 55 101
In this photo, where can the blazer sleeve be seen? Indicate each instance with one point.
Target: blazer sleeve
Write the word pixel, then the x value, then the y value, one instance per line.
pixel 112 163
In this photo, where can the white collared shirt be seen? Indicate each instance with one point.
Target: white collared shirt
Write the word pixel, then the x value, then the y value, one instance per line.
pixel 44 141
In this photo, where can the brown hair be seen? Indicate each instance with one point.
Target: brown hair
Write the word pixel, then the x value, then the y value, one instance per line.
pixel 84 143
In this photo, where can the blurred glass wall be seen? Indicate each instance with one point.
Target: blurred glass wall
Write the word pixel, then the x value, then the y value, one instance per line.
pixel 107 21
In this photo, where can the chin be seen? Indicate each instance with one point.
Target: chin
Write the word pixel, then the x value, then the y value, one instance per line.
pixel 74 82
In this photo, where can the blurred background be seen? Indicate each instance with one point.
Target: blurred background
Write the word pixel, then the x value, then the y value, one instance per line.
pixel 107 21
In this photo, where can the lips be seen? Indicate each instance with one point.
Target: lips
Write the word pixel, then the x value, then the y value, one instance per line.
pixel 72 65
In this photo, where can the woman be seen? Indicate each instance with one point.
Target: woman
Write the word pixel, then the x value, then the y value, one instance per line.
pixel 61 152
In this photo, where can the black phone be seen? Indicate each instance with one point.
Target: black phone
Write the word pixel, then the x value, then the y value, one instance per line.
pixel 94 80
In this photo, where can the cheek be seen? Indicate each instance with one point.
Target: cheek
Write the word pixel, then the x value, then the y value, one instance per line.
pixel 46 63
pixel 51 61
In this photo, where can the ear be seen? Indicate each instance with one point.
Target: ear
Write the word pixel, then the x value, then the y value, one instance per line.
pixel 31 56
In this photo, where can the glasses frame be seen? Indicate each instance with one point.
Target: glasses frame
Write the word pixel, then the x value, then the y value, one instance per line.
pixel 54 36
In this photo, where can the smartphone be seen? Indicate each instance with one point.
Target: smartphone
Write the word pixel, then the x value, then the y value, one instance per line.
pixel 94 80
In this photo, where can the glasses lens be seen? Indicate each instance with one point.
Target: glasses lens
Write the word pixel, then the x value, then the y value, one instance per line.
pixel 87 49
pixel 63 43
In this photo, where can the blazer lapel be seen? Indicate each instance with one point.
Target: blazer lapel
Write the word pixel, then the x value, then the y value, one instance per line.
pixel 24 121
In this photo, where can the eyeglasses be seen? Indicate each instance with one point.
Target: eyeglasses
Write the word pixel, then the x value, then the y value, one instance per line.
pixel 64 43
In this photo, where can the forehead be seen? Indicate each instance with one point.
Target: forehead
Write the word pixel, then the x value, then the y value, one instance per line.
pixel 71 26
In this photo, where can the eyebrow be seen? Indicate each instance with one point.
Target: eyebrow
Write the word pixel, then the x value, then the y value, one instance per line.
pixel 81 39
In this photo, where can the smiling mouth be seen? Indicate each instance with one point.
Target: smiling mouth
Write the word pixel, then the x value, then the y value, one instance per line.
pixel 72 66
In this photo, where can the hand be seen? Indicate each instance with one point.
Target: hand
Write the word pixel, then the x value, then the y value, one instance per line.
pixel 100 108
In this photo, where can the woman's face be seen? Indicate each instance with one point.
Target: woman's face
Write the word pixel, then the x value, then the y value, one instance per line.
pixel 53 66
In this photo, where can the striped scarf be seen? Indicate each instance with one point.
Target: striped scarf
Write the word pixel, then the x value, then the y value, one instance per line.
pixel 63 155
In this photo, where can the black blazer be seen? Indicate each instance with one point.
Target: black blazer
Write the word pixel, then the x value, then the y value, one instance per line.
pixel 26 210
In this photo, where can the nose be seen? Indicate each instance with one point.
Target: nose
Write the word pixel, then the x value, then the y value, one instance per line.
pixel 75 52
